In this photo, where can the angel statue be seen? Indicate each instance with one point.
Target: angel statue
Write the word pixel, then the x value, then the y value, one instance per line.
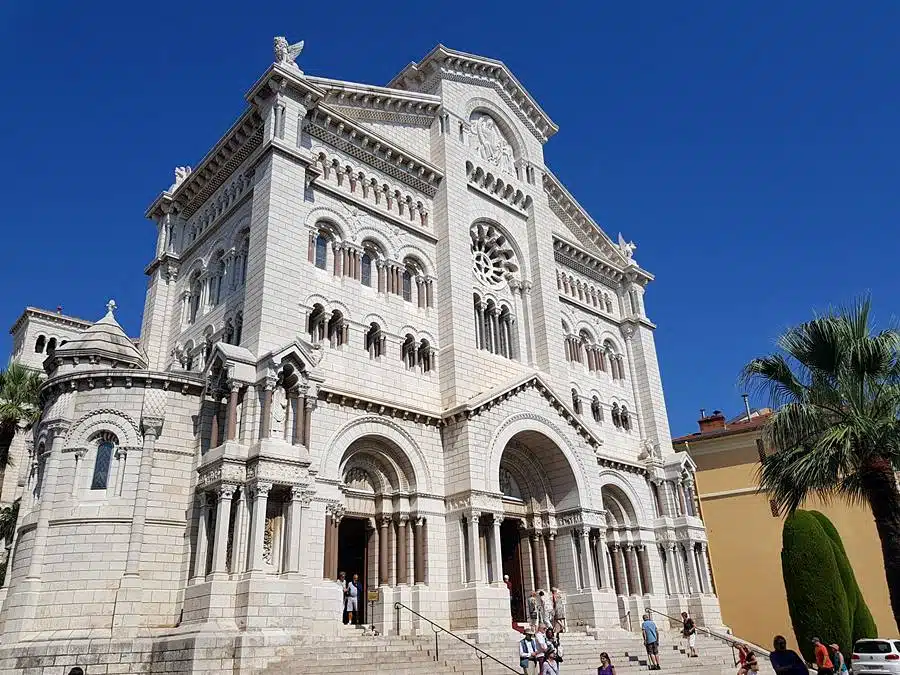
pixel 627 247
pixel 181 172
pixel 286 53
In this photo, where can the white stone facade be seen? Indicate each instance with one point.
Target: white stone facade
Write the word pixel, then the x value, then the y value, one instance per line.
pixel 378 332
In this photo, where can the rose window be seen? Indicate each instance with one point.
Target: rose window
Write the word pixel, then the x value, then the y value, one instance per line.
pixel 492 258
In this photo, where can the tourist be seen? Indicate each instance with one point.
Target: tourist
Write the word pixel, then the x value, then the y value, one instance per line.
pixel 606 666
pixel 553 642
pixel 551 663
pixel 748 660
pixel 342 580
pixel 559 611
pixel 529 653
pixel 823 658
pixel 651 642
pixel 786 661
pixel 689 631
pixel 352 596
pixel 837 658
pixel 533 610
pixel 545 610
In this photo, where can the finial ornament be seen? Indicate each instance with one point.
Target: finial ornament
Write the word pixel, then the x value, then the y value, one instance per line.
pixel 285 53
pixel 111 306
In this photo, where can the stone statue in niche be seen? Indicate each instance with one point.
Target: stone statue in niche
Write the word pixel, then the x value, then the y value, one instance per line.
pixel 490 144
pixel 279 411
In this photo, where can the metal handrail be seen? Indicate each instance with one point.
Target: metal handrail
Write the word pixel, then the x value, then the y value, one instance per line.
pixel 438 629
pixel 730 640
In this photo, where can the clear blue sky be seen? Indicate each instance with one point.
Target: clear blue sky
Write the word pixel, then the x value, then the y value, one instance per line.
pixel 749 149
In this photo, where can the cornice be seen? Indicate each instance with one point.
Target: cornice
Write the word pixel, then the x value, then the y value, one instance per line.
pixel 50 317
pixel 128 379
pixel 331 126
pixel 363 101
pixel 372 404
pixel 452 64
pixel 578 260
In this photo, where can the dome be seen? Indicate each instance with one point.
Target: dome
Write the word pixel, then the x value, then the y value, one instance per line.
pixel 105 340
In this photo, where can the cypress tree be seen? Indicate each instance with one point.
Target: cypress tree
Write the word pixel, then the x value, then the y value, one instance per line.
pixel 816 597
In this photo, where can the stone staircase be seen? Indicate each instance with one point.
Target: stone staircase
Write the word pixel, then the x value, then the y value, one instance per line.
pixel 353 653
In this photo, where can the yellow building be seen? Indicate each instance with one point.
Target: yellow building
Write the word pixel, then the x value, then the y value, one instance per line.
pixel 745 536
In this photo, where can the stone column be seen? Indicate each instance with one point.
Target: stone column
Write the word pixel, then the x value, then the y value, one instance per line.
pixel 679 489
pixel 336 518
pixel 312 248
pixel 202 539
pixel 419 550
pixel 643 565
pixel 336 254
pixel 527 559
pixel 258 525
pixel 587 558
pixel 297 431
pixel 238 542
pixel 303 548
pixel 152 428
pixel 402 551
pixel 214 424
pixel 292 564
pixel 620 565
pixel 707 569
pixel 307 420
pixel 429 292
pixel 380 267
pixel 220 538
pixel 672 555
pixel 265 424
pixel 537 550
pixel 383 578
pixel 231 426
pixel 551 558
pixel 326 554
pixel 420 291
pixel 497 552
pixel 474 548
pixel 479 325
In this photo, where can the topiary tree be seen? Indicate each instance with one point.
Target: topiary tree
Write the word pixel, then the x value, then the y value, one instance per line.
pixel 862 624
pixel 816 597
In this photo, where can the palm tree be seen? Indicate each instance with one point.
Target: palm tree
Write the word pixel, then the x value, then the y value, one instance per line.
pixel 19 407
pixel 835 386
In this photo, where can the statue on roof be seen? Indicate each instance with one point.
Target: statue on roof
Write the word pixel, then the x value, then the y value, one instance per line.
pixel 285 53
pixel 181 173
pixel 627 247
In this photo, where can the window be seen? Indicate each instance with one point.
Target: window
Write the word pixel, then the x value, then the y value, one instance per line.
pixel 51 346
pixel 374 342
pixel 217 281
pixel 336 329
pixel 408 352
pixel 407 285
pixel 101 465
pixel 366 269
pixel 616 415
pixel 194 300
pixel 425 359
pixel 39 344
pixel 576 402
pixel 317 323
pixel 228 334
pixel 596 410
pixel 626 420
pixel 238 326
pixel 321 251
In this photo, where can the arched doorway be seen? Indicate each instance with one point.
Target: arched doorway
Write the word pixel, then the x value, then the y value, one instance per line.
pixel 627 555
pixel 538 488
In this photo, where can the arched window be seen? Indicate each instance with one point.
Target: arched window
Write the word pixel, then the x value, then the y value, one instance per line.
pixel 217 281
pixel 576 402
pixel 608 303
pixel 228 333
pixel 616 415
pixel 238 327
pixel 105 448
pixel 408 352
pixel 375 341
pixel 39 344
pixel 317 323
pixel 51 346
pixel 596 410
pixel 189 356
pixel 240 264
pixel 407 285
pixel 194 300
pixel 366 269
pixel 425 359
pixel 337 329
pixel 626 419
pixel 321 251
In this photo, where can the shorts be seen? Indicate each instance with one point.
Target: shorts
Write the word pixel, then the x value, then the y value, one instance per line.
pixel 652 648
pixel 692 640
pixel 351 604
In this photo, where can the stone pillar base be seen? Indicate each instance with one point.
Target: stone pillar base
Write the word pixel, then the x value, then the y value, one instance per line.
pixel 591 609
pixel 481 610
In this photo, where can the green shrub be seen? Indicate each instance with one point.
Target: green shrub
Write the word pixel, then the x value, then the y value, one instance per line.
pixel 817 600
pixel 862 624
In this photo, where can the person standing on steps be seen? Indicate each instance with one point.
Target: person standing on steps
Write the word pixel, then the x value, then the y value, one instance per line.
pixel 342 580
pixel 559 611
pixel 529 653
pixel 689 631
pixel 546 609
pixel 786 661
pixel 533 611
pixel 606 666
pixel 352 596
pixel 551 663
pixel 651 641
pixel 823 658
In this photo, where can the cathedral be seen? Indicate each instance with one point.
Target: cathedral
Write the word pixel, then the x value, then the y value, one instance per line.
pixel 380 337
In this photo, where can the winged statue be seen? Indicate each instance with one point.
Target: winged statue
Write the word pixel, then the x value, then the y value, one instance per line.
pixel 286 53
pixel 627 247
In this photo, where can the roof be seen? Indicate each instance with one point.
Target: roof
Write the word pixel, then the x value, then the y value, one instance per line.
pixel 47 315
pixel 739 425
pixel 486 70
pixel 105 339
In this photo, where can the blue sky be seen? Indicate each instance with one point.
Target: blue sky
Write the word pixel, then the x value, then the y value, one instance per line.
pixel 749 149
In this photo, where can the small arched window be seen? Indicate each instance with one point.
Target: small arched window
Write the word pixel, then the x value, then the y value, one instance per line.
pixel 596 410
pixel 194 299
pixel 366 269
pixel 576 402
pixel 105 449
pixel 238 327
pixel 217 281
pixel 241 266
pixel 39 344
pixel 321 251
pixel 626 419
pixel 317 323
pixel 616 415
pixel 425 358
pixel 228 333
pixel 374 342
pixel 336 329
pixel 408 352
pixel 407 285
pixel 51 346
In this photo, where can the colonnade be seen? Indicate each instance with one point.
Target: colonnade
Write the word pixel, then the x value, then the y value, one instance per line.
pixel 686 568
pixel 676 498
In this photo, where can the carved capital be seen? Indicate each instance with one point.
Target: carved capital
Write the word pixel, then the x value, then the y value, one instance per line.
pixel 226 491
pixel 152 426
pixel 262 489
pixel 498 519
pixel 402 519
pixel 386 520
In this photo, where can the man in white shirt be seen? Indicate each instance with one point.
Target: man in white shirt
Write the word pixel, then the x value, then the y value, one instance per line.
pixel 530 652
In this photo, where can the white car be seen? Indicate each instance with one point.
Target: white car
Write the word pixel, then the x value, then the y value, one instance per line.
pixel 876 656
